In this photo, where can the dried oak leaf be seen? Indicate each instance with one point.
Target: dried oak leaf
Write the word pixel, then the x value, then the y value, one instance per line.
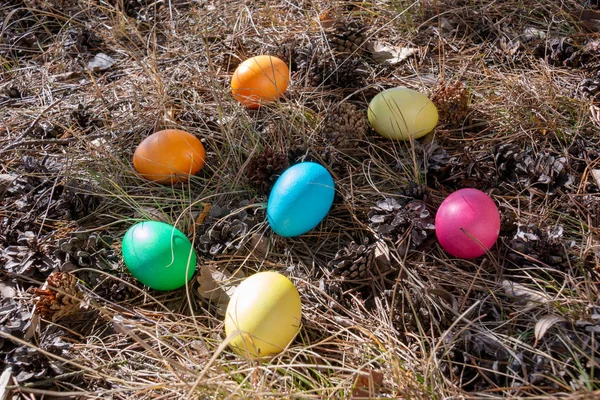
pixel 217 285
pixel 367 384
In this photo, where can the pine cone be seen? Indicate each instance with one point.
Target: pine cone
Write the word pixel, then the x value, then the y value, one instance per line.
pixel 557 51
pixel 344 124
pixel 320 68
pixel 347 37
pixel 264 168
pixel 394 220
pixel 287 51
pixel 541 244
pixel 29 364
pixel 300 154
pixel 452 103
pixel 353 262
pixel 431 158
pixel 411 305
pixel 542 170
pixel 16 317
pixel 590 87
pixel 332 158
pixel 82 40
pixel 343 72
pixel 60 298
pixel 84 249
pixel 224 230
pixel 414 190
pixel 141 10
pixel 26 256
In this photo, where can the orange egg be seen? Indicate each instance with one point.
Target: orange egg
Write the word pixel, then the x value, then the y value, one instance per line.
pixel 170 155
pixel 259 80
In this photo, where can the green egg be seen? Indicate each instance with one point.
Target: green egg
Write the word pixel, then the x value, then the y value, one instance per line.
pixel 158 255
pixel 401 113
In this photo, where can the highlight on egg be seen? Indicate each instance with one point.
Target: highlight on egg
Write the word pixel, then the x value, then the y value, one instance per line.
pixel 300 199
pixel 170 155
pixel 263 315
pixel 467 223
pixel 260 80
pixel 158 255
pixel 401 113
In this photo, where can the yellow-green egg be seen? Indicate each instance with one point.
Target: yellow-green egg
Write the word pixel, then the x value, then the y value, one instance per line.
pixel 263 315
pixel 401 113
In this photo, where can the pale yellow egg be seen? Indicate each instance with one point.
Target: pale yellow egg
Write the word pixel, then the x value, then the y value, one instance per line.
pixel 401 113
pixel 263 315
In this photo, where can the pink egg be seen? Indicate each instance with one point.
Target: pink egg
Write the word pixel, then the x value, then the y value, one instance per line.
pixel 467 223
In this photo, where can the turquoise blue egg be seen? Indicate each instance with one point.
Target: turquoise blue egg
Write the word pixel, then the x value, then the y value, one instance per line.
pixel 300 199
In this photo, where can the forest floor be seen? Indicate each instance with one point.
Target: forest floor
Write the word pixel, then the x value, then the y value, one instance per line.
pixel 387 313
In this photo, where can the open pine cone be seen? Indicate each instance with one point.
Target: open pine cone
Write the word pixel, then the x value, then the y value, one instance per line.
pixel 60 298
pixel 542 170
pixel 452 103
pixel 557 51
pixel 356 262
pixel 225 229
pixel 264 168
pixel 26 257
pixel 85 249
pixel 28 363
pixel 590 87
pixel 545 245
pixel 395 220
pixel 320 68
pixel 286 50
pixel 353 262
pixel 345 124
pixel 16 316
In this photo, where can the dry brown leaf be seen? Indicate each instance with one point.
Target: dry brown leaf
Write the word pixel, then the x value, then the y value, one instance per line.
pixel 326 19
pixel 367 384
pixel 218 286
pixel 204 214
pixel 389 54
pixel 544 323
pixel 101 62
pixel 520 292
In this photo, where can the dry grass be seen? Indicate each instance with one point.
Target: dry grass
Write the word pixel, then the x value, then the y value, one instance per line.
pixel 432 326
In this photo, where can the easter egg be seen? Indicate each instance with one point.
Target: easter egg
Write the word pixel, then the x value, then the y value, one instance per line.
pixel 260 80
pixel 158 255
pixel 467 223
pixel 300 199
pixel 402 113
pixel 169 155
pixel 263 315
